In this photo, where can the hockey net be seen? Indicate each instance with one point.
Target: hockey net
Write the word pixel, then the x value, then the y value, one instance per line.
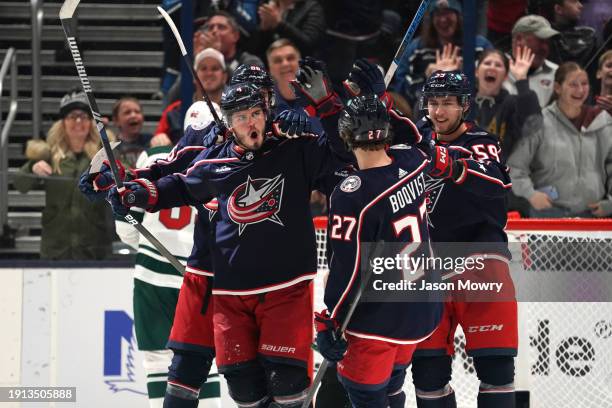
pixel 565 349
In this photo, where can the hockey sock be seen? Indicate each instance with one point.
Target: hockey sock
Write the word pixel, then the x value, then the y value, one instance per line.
pixel 443 398
pixel 172 401
pixel 180 396
pixel 397 400
pixel 490 396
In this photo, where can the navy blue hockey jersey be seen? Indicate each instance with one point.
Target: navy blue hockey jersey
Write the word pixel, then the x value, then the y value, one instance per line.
pixel 385 204
pixel 264 236
pixel 473 210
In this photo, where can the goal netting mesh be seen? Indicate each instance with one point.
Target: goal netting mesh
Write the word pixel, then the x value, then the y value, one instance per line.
pixel 565 348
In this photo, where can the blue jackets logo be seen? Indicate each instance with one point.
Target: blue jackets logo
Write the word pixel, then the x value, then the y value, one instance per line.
pixel 255 201
pixel 119 348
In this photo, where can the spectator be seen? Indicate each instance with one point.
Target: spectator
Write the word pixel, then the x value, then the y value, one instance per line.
pixel 501 16
pixel 510 117
pixel 221 33
pixel 534 32
pixel 565 168
pixel 444 28
pixel 72 227
pixel 300 21
pixel 212 72
pixel 128 118
pixel 576 43
pixel 283 58
pixel 596 14
pixel 604 74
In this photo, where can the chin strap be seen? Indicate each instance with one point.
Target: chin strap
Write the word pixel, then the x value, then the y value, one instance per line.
pixel 461 122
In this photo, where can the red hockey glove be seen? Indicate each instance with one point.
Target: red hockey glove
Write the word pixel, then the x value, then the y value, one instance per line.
pixel 444 166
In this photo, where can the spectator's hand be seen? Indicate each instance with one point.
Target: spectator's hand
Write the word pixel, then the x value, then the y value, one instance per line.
pixel 205 39
pixel 292 124
pixel 365 78
pixel 597 210
pixel 605 101
pixel 448 60
pixel 331 345
pixel 160 139
pixel 519 65
pixel 540 200
pixel 269 16
pixel 42 168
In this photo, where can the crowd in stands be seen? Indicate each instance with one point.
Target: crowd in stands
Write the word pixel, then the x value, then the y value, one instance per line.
pixel 543 84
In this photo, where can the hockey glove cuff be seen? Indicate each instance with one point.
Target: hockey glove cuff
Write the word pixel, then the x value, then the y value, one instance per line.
pixel 87 188
pixel 330 342
pixel 140 193
pixel 104 180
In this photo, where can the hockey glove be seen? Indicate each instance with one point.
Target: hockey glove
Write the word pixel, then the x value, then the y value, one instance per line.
pixel 104 180
pixel 87 188
pixel 216 135
pixel 140 193
pixel 312 84
pixel 365 78
pixel 292 124
pixel 330 343
pixel 444 166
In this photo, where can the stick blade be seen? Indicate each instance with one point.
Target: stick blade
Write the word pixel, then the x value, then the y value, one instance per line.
pixel 68 8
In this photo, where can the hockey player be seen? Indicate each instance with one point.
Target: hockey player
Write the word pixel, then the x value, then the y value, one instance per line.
pixel 381 336
pixel 263 184
pixel 156 292
pixel 468 208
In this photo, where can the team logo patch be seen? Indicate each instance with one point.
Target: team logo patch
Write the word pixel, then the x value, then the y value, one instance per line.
pixel 350 184
pixel 256 200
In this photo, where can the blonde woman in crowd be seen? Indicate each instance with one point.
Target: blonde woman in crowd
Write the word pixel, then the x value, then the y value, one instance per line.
pixel 72 227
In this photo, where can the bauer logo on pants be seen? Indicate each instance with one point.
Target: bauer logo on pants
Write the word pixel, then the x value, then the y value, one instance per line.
pixel 255 201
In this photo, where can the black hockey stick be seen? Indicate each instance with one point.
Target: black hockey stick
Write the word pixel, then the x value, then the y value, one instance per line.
pixel 188 62
pixel 66 14
pixel 418 17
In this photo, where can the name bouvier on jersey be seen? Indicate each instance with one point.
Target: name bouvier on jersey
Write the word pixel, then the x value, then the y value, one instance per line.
pixel 264 234
pixel 474 209
pixel 380 204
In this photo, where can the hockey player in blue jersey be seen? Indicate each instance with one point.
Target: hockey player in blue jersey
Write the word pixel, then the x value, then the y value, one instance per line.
pixel 381 336
pixel 263 184
pixel 470 209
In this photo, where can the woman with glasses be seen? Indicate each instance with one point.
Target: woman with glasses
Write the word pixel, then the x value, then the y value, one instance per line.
pixel 72 227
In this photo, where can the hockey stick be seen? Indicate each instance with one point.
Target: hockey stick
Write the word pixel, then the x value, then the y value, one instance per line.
pixel 418 17
pixel 188 62
pixel 66 13
pixel 347 319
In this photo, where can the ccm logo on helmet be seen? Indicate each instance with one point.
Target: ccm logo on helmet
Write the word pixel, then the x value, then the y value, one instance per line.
pixel 278 349
pixel 485 328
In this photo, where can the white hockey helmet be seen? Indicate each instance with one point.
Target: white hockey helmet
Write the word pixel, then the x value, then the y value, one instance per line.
pixel 198 115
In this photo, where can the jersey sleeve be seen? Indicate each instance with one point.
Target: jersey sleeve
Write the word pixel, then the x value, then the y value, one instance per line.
pixel 344 241
pixel 191 187
pixel 180 158
pixel 404 130
pixel 484 174
pixel 326 154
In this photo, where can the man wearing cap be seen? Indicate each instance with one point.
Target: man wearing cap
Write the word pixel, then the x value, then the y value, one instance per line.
pixel 210 67
pixel 535 32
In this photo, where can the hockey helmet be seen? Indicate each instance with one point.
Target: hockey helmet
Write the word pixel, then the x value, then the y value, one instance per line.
pixel 447 83
pixel 252 74
pixel 364 121
pixel 240 97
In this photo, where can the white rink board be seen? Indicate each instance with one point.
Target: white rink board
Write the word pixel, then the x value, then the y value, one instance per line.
pixel 78 332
